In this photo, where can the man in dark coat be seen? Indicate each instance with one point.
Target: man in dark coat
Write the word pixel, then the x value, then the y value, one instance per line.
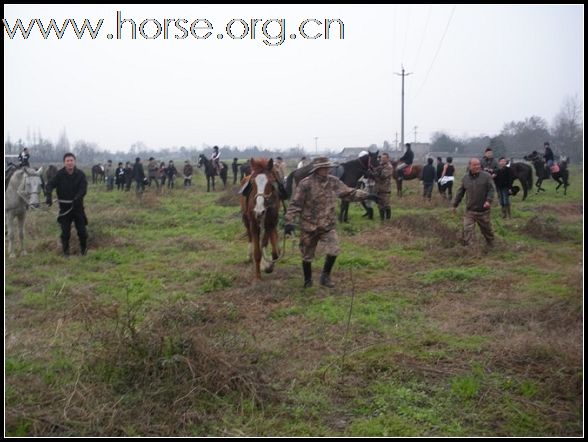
pixel 235 165
pixel 139 175
pixel 71 185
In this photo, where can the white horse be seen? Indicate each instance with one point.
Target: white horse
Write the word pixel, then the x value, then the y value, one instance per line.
pixel 22 193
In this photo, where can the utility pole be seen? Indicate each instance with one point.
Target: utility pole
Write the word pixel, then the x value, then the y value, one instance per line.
pixel 402 109
pixel 396 142
pixel 415 132
pixel 316 145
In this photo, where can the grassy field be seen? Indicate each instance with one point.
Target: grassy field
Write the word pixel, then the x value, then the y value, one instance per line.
pixel 159 330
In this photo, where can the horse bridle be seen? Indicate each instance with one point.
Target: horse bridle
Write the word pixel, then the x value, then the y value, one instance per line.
pixel 25 195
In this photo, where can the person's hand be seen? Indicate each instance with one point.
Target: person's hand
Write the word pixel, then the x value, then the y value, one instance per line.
pixel 49 201
pixel 373 197
pixel 288 229
pixel 487 205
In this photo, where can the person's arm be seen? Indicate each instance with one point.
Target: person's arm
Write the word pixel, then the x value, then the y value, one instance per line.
pixel 459 195
pixel 296 204
pixel 83 187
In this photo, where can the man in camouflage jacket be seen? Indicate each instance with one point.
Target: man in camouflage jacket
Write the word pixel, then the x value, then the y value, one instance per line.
pixel 314 201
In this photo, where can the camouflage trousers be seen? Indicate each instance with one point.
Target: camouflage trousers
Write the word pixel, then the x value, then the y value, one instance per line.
pixel 384 202
pixel 310 240
pixel 470 220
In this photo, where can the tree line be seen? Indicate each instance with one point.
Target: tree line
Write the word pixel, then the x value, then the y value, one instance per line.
pixel 516 139
pixel 519 138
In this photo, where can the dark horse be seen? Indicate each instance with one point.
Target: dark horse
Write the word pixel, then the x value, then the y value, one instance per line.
pixel 524 173
pixel 210 171
pixel 561 175
pixel 50 172
pixel 349 172
pixel 260 207
pixel 98 173
pixel 409 173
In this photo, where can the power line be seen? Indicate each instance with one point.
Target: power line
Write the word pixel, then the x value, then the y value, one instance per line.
pixel 423 37
pixel 436 53
pixel 406 34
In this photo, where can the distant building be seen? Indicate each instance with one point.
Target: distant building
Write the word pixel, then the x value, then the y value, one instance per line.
pixel 351 152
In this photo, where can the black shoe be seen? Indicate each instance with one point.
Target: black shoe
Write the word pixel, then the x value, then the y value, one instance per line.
pixel 307 268
pixel 326 280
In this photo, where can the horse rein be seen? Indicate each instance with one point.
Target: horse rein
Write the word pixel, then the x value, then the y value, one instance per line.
pixel 24 195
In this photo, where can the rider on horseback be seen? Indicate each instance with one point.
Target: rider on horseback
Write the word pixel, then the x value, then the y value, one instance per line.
pixel 404 161
pixel 215 158
pixel 549 158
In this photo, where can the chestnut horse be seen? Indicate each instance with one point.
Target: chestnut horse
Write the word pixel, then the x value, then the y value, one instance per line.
pixel 260 206
pixel 409 173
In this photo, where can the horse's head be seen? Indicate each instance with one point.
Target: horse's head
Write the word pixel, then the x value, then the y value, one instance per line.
pixel 533 156
pixel 374 160
pixel 201 159
pixel 31 187
pixel 264 186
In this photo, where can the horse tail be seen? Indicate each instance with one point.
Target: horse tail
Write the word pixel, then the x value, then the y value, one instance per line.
pixel 530 179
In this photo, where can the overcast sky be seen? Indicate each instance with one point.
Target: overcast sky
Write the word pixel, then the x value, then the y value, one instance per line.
pixel 473 69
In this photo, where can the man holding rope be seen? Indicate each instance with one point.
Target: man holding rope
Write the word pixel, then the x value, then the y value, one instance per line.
pixel 71 185
pixel 314 202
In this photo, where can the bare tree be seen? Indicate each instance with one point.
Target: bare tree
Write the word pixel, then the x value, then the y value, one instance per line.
pixel 567 130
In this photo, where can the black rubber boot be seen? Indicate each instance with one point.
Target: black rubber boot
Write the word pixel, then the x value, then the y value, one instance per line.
pixel 307 269
pixel 326 275
pixel 382 214
pixel 83 246
pixel 65 248
pixel 388 213
pixel 370 213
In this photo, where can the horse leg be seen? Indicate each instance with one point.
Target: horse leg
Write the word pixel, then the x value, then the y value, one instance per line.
pixel 399 187
pixel 257 255
pixel 268 267
pixel 10 227
pixel 345 211
pixel 21 221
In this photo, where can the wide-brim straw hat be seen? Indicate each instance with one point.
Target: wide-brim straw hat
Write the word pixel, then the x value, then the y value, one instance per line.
pixel 320 162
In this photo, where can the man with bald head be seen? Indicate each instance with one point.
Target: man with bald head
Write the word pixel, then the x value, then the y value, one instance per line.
pixel 478 187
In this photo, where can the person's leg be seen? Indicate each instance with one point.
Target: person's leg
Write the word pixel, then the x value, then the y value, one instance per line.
pixel 469 224
pixel 308 243
pixel 483 220
pixel 80 223
pixel 331 242
pixel 65 223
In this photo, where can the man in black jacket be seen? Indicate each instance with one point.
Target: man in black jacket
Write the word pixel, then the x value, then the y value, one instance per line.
pixel 71 185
